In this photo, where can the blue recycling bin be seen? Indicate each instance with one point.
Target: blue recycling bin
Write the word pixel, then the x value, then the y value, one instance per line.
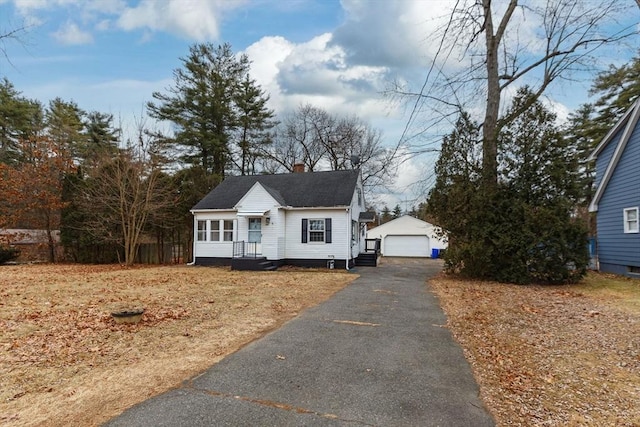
pixel 435 253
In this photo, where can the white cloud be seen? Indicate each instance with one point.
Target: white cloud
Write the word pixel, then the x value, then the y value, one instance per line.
pixel 69 33
pixel 414 178
pixel 392 33
pixel 266 56
pixel 195 19
pixel 103 25
pixel 315 72
pixel 104 6
pixel 29 9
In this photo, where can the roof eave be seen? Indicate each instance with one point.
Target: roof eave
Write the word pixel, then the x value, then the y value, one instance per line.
pixel 631 123
pixel 615 129
pixel 206 210
pixel 294 208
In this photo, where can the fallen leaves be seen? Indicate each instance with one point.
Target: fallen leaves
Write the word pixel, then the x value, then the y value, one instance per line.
pixel 64 360
pixel 546 355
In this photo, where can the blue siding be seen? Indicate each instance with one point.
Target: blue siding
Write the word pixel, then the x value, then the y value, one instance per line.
pixel 605 156
pixel 617 250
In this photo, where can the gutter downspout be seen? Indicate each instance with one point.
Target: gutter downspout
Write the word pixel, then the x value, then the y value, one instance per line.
pixel 346 261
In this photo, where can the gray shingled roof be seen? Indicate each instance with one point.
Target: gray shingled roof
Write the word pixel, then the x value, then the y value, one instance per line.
pixel 307 189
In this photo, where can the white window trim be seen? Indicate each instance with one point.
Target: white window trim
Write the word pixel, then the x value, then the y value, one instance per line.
pixel 224 230
pixel 205 231
pixel 211 230
pixel 221 230
pixel 324 232
pixel 631 226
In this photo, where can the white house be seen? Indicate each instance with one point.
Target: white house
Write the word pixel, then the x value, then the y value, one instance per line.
pixel 407 237
pixel 303 218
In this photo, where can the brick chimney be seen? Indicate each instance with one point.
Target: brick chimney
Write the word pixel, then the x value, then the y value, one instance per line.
pixel 298 168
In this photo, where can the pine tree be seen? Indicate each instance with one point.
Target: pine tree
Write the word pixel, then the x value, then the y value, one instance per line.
pixel 20 119
pixel 201 105
pixel 618 88
pixel 65 125
pixel 101 134
pixel 525 232
pixel 397 212
pixel 386 215
pixel 254 122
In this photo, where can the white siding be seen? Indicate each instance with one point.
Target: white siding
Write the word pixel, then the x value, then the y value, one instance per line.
pixel 279 222
pixel 339 246
pixel 408 226
pixel 282 238
pixel 213 249
pixel 357 206
pixel 259 199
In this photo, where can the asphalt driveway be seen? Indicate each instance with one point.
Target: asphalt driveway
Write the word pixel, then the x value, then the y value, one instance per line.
pixel 376 354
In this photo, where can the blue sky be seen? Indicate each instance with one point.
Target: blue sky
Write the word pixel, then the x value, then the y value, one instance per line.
pixel 110 55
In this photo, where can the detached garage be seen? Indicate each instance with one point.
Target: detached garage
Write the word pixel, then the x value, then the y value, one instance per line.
pixel 407 237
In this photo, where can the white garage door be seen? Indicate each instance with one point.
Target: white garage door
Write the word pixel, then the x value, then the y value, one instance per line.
pixel 411 246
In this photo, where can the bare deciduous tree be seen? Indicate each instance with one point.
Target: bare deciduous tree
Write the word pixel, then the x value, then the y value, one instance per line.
pixel 504 45
pixel 31 191
pixel 14 34
pixel 321 140
pixel 120 193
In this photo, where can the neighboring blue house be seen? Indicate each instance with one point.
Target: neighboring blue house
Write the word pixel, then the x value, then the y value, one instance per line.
pixel 617 196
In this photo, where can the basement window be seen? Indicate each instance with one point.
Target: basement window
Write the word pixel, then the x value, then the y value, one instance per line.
pixel 633 269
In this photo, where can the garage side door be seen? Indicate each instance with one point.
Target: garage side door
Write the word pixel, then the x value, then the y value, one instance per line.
pixel 409 246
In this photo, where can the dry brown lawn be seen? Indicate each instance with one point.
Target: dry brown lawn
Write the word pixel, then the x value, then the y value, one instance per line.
pixel 64 361
pixel 551 355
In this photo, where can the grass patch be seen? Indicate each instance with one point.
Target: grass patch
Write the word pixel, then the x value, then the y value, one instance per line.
pixel 65 361
pixel 612 289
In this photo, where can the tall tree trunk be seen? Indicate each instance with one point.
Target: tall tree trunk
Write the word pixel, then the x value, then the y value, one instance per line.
pixel 490 125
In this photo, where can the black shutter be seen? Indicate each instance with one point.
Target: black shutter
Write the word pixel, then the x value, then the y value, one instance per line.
pixel 304 230
pixel 327 230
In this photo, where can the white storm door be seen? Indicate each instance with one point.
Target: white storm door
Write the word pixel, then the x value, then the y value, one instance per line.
pixel 255 236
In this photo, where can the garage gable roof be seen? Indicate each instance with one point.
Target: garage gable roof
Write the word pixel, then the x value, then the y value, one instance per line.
pixel 406 225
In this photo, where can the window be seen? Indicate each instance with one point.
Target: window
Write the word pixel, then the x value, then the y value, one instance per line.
pixel 215 230
pixel 354 232
pixel 202 231
pixel 631 220
pixel 316 230
pixel 214 235
pixel 228 230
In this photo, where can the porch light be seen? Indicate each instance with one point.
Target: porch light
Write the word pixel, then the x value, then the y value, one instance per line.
pixel 267 220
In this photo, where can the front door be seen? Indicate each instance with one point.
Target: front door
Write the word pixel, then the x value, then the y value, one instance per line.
pixel 255 236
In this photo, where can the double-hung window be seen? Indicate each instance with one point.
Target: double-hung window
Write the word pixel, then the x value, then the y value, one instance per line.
pixel 202 231
pixel 227 230
pixel 214 235
pixel 215 230
pixel 316 230
pixel 354 232
pixel 631 220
